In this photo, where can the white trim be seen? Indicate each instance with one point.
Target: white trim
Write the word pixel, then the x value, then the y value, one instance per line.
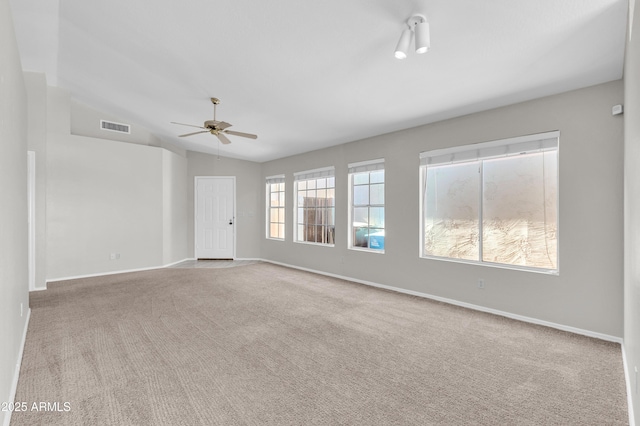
pixel 124 271
pixel 366 166
pixel 315 173
pixel 522 318
pixel 175 263
pixel 16 374
pixel 422 175
pixel 366 163
pixel 274 239
pixel 267 205
pixel 497 148
pixel 274 179
pixel 365 250
pixel 313 243
pixel 543 271
pixel 627 379
pixel 31 194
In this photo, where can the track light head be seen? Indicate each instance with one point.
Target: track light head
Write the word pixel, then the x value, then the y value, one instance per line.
pixel 403 44
pixel 423 42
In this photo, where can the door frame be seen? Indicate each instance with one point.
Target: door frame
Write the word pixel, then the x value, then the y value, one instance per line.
pixel 31 202
pixel 195 212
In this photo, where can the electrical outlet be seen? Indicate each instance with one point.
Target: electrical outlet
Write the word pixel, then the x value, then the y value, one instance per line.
pixel 480 283
pixel 112 256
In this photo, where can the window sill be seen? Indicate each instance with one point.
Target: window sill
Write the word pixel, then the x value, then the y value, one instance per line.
pixel 555 272
pixel 274 239
pixel 314 244
pixel 367 250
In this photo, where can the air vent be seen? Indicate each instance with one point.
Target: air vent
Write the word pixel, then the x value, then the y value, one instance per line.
pixel 115 127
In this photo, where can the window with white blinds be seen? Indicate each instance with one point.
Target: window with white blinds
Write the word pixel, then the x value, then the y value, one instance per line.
pixel 275 207
pixel 493 203
pixel 315 210
pixel 366 206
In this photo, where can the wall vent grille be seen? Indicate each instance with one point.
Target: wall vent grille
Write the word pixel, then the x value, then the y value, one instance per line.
pixel 115 127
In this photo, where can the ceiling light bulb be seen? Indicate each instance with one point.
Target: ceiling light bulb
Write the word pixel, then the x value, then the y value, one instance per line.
pixel 423 41
pixel 403 44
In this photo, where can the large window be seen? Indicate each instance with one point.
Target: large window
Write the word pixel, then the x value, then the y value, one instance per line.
pixel 366 206
pixel 275 207
pixel 495 203
pixel 315 209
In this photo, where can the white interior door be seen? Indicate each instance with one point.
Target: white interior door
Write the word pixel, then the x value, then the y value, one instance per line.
pixel 215 220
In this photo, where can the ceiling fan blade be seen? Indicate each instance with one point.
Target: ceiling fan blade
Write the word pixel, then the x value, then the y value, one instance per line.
pixel 244 135
pixel 194 133
pixel 225 140
pixel 221 125
pixel 190 125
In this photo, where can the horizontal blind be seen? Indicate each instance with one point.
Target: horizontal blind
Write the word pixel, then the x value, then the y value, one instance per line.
pixel 367 166
pixel 315 173
pixel 502 148
pixel 275 179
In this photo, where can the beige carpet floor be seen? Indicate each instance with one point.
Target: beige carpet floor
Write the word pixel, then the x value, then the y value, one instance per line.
pixel 267 345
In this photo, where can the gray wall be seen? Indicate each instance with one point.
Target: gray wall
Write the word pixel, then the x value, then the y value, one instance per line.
pixel 105 196
pixel 102 197
pixel 249 199
pixel 174 208
pixel 13 206
pixel 632 210
pixel 587 294
pixel 85 121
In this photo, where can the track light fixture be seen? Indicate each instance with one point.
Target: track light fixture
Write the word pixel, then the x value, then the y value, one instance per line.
pixel 403 44
pixel 419 31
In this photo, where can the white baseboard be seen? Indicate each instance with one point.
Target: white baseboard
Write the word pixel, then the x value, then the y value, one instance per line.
pixel 175 263
pixel 628 380
pixel 102 274
pixel 16 374
pixel 562 327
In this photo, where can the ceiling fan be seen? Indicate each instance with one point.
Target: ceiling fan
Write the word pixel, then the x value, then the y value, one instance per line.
pixel 215 127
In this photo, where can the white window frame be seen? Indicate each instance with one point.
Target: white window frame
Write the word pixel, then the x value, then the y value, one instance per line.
pixel 304 176
pixel 269 181
pixel 360 167
pixel 482 151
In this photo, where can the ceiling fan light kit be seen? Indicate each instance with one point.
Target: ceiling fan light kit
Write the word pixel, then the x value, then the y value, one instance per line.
pixel 419 31
pixel 216 128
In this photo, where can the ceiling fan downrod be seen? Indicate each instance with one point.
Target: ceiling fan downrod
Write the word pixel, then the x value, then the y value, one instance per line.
pixel 215 102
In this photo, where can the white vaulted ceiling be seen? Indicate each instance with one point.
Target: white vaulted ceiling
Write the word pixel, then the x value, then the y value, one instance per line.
pixel 309 74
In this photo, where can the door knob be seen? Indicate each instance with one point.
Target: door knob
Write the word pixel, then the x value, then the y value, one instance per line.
pixel 230 221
